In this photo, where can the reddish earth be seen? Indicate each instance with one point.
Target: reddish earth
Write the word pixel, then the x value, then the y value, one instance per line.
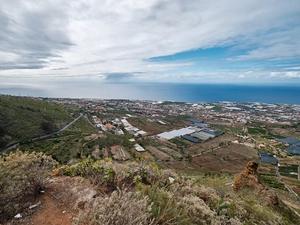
pixel 94 136
pixel 53 212
pixel 60 203
pixel 116 151
pixel 231 158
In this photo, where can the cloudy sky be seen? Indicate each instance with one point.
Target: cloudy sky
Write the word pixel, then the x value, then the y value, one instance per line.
pixel 51 42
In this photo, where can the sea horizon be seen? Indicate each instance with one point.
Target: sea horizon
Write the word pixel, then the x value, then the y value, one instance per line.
pixel 263 93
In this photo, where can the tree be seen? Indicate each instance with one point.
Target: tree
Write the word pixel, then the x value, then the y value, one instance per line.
pixel 48 127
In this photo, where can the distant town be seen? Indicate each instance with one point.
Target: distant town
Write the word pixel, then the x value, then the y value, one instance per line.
pixel 222 113
pixel 211 137
pixel 206 119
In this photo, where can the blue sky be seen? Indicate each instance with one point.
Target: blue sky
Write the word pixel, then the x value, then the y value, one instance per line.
pixel 45 43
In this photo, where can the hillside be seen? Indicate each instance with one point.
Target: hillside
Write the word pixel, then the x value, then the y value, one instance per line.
pixel 23 118
pixel 107 192
pixel 169 182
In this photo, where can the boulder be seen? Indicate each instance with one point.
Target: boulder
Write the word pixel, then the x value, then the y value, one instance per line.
pixel 249 178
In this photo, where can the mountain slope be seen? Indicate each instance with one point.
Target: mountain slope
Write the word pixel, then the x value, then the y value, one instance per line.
pixel 22 118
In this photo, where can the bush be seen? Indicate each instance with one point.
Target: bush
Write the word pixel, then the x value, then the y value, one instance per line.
pixel 114 175
pixel 174 201
pixel 164 208
pixel 22 176
pixel 120 208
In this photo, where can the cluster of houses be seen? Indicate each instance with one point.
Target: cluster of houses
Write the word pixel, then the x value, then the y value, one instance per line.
pixel 109 125
pixel 133 130
pixel 218 112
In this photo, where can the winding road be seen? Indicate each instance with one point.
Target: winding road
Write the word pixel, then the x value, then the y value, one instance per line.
pixel 12 146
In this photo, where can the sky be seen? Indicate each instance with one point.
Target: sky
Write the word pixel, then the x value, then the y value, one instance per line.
pixel 50 44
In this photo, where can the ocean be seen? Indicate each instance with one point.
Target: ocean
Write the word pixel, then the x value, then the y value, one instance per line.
pixel 232 93
pixel 212 92
pixel 286 94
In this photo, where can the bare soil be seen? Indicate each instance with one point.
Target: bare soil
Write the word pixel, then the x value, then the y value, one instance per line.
pixel 290 160
pixel 208 145
pixel 115 150
pixel 60 202
pixel 94 136
pixel 146 155
pixel 159 154
pixel 170 151
pixel 230 158
pixel 285 131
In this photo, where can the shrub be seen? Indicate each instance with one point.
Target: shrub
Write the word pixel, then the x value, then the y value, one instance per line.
pixel 120 208
pixel 164 208
pixel 114 175
pixel 196 210
pixel 22 176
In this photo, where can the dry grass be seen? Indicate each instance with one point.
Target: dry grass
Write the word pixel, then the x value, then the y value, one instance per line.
pixel 230 158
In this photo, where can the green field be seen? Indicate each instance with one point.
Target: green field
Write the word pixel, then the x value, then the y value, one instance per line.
pixel 289 171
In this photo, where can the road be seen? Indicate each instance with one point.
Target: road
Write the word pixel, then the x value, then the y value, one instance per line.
pixel 277 173
pixel 292 192
pixel 87 119
pixel 65 127
pixel 41 137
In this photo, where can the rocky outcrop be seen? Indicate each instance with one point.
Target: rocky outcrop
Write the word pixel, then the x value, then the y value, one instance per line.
pixel 249 178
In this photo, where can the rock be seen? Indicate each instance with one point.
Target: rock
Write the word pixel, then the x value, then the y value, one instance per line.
pixel 35 205
pixel 171 180
pixel 249 178
pixel 18 216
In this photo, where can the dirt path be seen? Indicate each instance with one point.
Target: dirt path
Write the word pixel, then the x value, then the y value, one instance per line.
pixel 53 212
pixel 59 204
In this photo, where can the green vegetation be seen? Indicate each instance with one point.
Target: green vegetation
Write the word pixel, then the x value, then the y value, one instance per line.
pixel 22 119
pixel 272 136
pixel 270 180
pixel 140 193
pixel 66 145
pixel 135 191
pixel 183 117
pixel 162 197
pixel 180 143
pixel 22 177
pixel 256 130
pixel 289 171
pixel 121 207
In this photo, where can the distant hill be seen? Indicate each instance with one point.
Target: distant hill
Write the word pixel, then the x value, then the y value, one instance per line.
pixel 22 118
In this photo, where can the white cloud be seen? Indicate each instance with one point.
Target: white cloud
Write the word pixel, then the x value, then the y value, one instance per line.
pixel 79 39
pixel 290 74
